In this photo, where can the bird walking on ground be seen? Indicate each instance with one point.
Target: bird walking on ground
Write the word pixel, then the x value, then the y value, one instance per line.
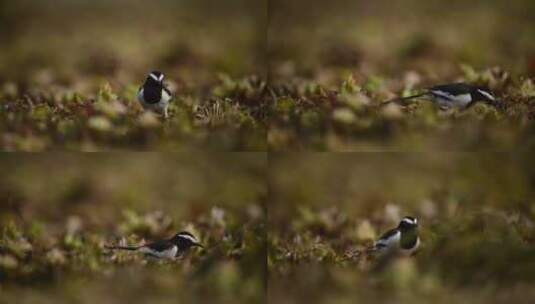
pixel 402 240
pixel 154 95
pixel 454 95
pixel 164 249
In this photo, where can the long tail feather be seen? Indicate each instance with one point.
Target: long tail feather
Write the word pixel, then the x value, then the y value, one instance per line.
pixel 131 248
pixel 371 249
pixel 403 99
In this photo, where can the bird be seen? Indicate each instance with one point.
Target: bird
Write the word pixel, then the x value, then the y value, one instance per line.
pixel 402 240
pixel 454 95
pixel 154 95
pixel 170 248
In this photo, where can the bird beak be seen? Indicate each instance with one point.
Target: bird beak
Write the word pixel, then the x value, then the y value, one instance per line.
pixel 496 103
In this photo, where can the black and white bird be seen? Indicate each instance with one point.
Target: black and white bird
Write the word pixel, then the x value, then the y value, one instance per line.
pixel 455 95
pixel 154 95
pixel 403 239
pixel 164 249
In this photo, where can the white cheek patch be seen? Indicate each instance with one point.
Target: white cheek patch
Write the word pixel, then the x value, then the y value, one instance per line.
pixel 486 94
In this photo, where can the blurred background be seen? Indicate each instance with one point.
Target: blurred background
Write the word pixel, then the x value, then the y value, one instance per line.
pixel 475 213
pixel 120 39
pixel 317 39
pixel 58 210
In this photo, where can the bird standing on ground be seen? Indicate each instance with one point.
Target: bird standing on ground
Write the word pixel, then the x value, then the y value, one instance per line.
pixel 454 95
pixel 403 239
pixel 164 249
pixel 153 95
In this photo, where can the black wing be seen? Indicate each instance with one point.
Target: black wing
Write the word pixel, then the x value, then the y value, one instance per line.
pixel 453 88
pixel 160 245
pixel 388 234
pixel 167 91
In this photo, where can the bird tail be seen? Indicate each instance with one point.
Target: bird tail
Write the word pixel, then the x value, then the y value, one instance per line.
pixel 366 252
pixel 403 99
pixel 371 249
pixel 131 248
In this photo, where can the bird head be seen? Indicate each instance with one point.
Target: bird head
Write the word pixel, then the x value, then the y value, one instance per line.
pixel 185 240
pixel 484 94
pixel 408 223
pixel 155 78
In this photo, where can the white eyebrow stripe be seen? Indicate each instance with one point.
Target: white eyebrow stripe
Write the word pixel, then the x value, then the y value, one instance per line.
pixel 161 78
pixel 489 96
pixel 154 77
pixel 406 220
pixel 188 237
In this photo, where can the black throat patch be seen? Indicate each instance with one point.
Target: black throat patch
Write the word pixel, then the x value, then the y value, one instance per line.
pixel 152 94
pixel 409 239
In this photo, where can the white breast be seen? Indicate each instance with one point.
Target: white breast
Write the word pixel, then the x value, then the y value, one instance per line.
pixel 140 96
pixel 166 254
pixel 463 100
pixel 165 96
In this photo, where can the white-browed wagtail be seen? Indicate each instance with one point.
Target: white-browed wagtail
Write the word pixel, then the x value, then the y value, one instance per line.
pixel 154 95
pixel 454 95
pixel 164 249
pixel 402 240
